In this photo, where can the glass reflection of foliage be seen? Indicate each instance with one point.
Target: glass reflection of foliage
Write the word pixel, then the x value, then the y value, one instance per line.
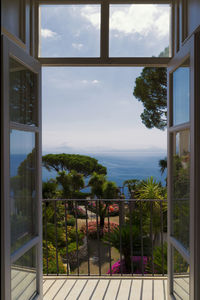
pixel 181 280
pixel 181 189
pixel 23 90
pixel 180 265
pixel 23 204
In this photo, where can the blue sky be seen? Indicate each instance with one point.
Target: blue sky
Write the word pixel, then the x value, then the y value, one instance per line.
pixel 92 109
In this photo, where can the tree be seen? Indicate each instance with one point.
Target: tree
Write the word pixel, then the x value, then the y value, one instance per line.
pixel 70 182
pixel 102 188
pixel 131 184
pixel 83 164
pixel 151 189
pixel 163 165
pixel 49 189
pixel 151 90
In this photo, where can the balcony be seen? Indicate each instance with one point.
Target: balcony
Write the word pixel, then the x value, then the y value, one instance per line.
pixel 105 288
pixel 104 249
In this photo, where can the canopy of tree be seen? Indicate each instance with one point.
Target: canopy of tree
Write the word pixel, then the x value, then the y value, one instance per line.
pixel 151 90
pixel 83 164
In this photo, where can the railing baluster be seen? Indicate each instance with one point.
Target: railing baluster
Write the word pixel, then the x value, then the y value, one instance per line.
pixel 45 212
pixel 131 233
pixel 77 240
pixel 120 235
pixel 141 235
pixel 109 233
pixel 55 222
pixel 161 229
pixel 98 238
pixel 88 255
pixel 66 235
pixel 151 235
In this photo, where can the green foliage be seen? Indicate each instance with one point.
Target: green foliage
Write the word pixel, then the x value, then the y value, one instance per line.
pixel 180 265
pixel 150 189
pixel 159 265
pixel 124 233
pixel 83 164
pixel 97 182
pixel 51 235
pixel 49 189
pixel 162 165
pixel 110 190
pixel 71 182
pixel 132 185
pixel 52 267
pixel 71 220
pixel 151 90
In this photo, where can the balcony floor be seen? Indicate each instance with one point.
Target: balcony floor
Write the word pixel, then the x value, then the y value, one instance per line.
pixel 60 288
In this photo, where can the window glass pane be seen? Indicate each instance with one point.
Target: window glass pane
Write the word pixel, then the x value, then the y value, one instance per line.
pixel 181 187
pixel 70 31
pixel 139 30
pixel 181 278
pixel 181 94
pixel 23 276
pixel 22 187
pixel 23 94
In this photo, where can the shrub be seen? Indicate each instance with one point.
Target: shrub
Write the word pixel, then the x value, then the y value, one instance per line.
pixel 81 213
pixel 113 208
pixel 119 267
pixel 120 239
pixel 92 228
pixel 70 220
pixel 52 267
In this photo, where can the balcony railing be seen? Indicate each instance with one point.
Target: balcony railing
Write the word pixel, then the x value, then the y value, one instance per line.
pixel 104 237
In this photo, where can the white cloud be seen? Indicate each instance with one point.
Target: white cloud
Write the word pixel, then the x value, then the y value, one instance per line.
pixel 84 81
pixel 47 33
pixel 92 14
pixel 95 81
pixel 77 46
pixel 129 19
pixel 141 19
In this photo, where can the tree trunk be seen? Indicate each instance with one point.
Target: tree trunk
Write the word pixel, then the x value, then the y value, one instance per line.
pixel 102 222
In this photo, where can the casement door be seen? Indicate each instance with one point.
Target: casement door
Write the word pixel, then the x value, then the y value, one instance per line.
pixel 21 174
pixel 183 169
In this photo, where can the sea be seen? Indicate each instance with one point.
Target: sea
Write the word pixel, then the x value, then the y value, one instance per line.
pixel 119 167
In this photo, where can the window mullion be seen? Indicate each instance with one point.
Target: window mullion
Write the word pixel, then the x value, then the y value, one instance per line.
pixel 104 52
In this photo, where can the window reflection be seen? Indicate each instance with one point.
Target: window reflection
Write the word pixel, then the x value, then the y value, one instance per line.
pixel 23 276
pixel 181 94
pixel 23 108
pixel 181 187
pixel 181 277
pixel 22 187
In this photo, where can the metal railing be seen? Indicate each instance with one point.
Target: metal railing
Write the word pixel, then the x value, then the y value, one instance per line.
pixel 104 237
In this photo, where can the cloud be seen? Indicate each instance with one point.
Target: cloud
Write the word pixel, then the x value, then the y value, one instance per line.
pixel 47 33
pixel 95 81
pixel 129 19
pixel 84 81
pixel 92 14
pixel 77 46
pixel 142 19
